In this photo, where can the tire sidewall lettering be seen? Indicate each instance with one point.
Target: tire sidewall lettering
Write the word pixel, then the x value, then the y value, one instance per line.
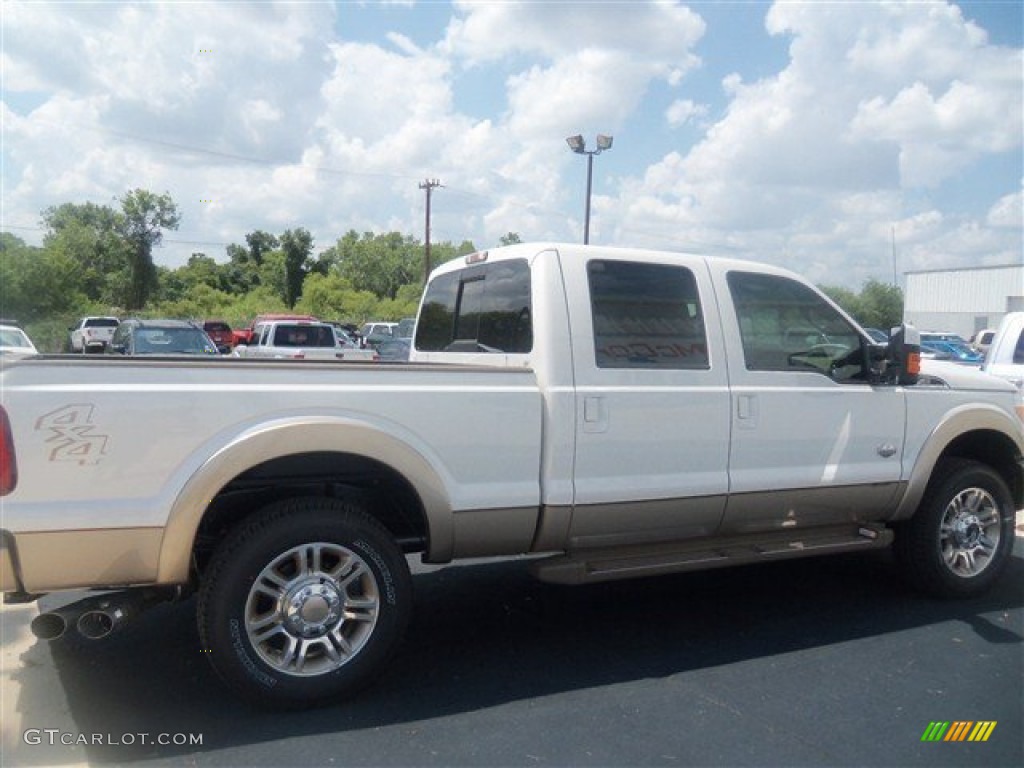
pixel 239 645
pixel 390 594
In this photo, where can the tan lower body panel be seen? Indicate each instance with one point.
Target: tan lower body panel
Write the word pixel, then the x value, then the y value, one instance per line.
pixel 53 560
pixel 494 532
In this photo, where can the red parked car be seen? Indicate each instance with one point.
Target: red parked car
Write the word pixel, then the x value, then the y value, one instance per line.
pixel 220 333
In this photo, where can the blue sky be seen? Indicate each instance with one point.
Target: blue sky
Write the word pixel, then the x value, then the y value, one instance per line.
pixel 803 134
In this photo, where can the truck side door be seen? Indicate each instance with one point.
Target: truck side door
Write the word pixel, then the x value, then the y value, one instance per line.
pixel 652 400
pixel 813 441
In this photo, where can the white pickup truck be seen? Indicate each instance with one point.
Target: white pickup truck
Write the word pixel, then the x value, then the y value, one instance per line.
pixel 612 412
pixel 92 334
pixel 1005 355
pixel 300 340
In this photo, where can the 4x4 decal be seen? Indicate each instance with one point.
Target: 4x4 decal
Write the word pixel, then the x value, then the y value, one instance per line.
pixel 74 437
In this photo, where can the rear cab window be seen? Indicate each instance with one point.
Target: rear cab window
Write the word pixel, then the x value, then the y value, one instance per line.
pixel 482 309
pixel 299 335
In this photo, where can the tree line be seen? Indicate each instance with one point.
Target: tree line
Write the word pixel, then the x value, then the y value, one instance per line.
pixel 98 260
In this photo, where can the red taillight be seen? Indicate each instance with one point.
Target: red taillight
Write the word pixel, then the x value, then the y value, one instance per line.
pixel 8 466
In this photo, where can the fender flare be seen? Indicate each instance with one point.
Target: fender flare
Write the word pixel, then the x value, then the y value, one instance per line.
pixel 286 437
pixel 957 422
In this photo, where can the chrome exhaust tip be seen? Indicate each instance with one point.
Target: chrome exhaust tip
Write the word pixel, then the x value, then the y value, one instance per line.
pixel 49 626
pixel 95 625
pixel 98 616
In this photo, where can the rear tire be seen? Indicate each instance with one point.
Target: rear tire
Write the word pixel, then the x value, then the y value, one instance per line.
pixel 304 603
pixel 959 540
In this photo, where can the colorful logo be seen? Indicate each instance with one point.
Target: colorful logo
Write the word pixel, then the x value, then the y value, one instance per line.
pixel 959 730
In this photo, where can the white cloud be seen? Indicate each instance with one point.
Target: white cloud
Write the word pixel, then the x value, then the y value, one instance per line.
pixel 282 120
pixel 661 31
pixel 809 167
pixel 1008 213
pixel 684 111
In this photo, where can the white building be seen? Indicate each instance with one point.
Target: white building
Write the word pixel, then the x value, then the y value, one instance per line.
pixel 963 300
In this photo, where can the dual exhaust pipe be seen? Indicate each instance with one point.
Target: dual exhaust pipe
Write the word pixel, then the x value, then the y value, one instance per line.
pixel 95 617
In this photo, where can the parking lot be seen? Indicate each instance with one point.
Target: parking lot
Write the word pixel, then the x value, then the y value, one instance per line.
pixel 828 661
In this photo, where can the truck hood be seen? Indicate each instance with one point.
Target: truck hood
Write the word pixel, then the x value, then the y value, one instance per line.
pixel 959 376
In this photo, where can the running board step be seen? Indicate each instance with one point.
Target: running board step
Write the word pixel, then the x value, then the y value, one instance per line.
pixel 586 566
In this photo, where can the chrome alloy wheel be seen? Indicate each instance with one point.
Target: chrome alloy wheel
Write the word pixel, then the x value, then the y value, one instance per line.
pixel 312 609
pixel 970 531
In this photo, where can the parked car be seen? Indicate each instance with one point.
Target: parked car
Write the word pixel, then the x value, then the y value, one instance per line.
pixel 982 340
pixel 245 335
pixel 14 342
pixel 92 334
pixel 406 328
pixel 956 352
pixel 346 335
pixel 394 350
pixel 374 333
pixel 1005 357
pixel 930 336
pixel 220 333
pixel 136 336
pixel 300 340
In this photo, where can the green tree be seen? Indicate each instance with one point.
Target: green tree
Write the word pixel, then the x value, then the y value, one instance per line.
pixel 144 217
pixel 881 305
pixel 878 305
pixel 37 284
pixel 297 245
pixel 510 239
pixel 259 243
pixel 380 264
pixel 88 235
pixel 271 276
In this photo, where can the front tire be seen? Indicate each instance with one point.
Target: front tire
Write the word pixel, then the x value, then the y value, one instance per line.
pixel 960 539
pixel 304 603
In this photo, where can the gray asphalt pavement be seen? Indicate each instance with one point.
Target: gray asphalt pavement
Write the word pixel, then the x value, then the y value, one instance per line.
pixel 820 662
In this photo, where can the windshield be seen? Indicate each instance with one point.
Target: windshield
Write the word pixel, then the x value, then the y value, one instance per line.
pixel 173 341
pixel 13 337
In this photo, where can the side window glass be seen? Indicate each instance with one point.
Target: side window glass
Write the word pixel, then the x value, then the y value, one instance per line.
pixel 1018 352
pixel 481 309
pixel 646 316
pixel 436 327
pixel 785 326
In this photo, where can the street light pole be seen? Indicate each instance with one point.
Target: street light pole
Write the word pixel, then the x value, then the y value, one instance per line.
pixel 579 146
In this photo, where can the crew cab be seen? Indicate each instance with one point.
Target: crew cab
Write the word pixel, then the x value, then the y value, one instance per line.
pixel 300 340
pixel 612 412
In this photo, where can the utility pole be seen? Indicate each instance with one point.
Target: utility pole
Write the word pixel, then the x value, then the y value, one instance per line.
pixel 428 185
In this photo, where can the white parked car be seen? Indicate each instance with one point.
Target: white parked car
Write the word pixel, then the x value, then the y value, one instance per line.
pixel 14 342
pixel 982 340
